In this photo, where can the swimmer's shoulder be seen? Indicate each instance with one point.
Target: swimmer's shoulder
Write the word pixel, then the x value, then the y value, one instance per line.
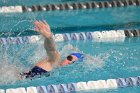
pixel 44 64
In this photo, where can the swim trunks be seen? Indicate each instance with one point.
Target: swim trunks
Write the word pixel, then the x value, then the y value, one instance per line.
pixel 36 72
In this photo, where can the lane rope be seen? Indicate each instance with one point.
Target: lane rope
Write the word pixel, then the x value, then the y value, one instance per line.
pixel 101 36
pixel 79 86
pixel 70 6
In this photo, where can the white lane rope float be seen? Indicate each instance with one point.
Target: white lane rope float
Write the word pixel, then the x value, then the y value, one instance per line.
pixel 79 86
pixel 100 36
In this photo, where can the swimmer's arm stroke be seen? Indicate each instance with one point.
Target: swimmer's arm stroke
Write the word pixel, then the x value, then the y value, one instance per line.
pixel 49 44
pixel 53 54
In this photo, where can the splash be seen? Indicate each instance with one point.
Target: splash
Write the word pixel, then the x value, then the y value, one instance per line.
pixel 39 53
pixel 9 72
pixel 68 49
pixel 90 61
pixel 98 61
pixel 12 61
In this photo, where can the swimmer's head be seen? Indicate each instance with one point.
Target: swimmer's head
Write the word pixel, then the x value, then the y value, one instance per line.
pixel 72 58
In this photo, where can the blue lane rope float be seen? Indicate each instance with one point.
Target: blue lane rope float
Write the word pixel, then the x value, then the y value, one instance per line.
pixel 97 35
pixel 42 89
pixel 79 86
pixel 70 6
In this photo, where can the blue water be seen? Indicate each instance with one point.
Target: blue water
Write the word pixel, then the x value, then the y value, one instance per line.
pixel 110 60
pixel 73 21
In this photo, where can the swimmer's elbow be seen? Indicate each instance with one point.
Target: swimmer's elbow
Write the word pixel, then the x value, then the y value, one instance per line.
pixel 55 61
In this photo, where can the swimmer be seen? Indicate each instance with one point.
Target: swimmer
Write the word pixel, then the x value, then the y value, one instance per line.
pixel 45 66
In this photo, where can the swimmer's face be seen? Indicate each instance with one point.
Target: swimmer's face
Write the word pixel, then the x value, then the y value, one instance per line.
pixel 70 60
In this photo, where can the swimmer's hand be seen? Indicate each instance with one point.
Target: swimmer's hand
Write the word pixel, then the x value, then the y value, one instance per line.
pixel 43 28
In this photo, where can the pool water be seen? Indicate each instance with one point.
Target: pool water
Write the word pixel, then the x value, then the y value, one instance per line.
pixel 118 58
pixel 105 60
pixel 73 21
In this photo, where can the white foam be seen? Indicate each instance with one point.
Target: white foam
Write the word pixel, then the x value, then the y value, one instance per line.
pixel 96 61
pixel 10 64
pixel 39 54
pixel 68 49
pixel 8 69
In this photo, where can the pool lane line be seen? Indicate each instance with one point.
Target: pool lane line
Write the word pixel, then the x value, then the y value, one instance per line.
pixel 101 36
pixel 70 6
pixel 79 86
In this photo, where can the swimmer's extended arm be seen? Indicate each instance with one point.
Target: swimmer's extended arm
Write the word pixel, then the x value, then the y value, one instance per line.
pixel 51 50
pixel 49 44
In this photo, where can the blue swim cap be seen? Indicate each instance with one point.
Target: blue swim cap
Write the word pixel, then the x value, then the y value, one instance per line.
pixel 80 56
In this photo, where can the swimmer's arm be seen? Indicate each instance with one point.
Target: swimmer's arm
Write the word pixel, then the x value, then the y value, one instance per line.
pixel 53 54
pixel 43 28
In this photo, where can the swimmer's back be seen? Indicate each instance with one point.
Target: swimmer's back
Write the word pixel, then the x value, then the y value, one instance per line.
pixel 44 64
pixel 42 68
